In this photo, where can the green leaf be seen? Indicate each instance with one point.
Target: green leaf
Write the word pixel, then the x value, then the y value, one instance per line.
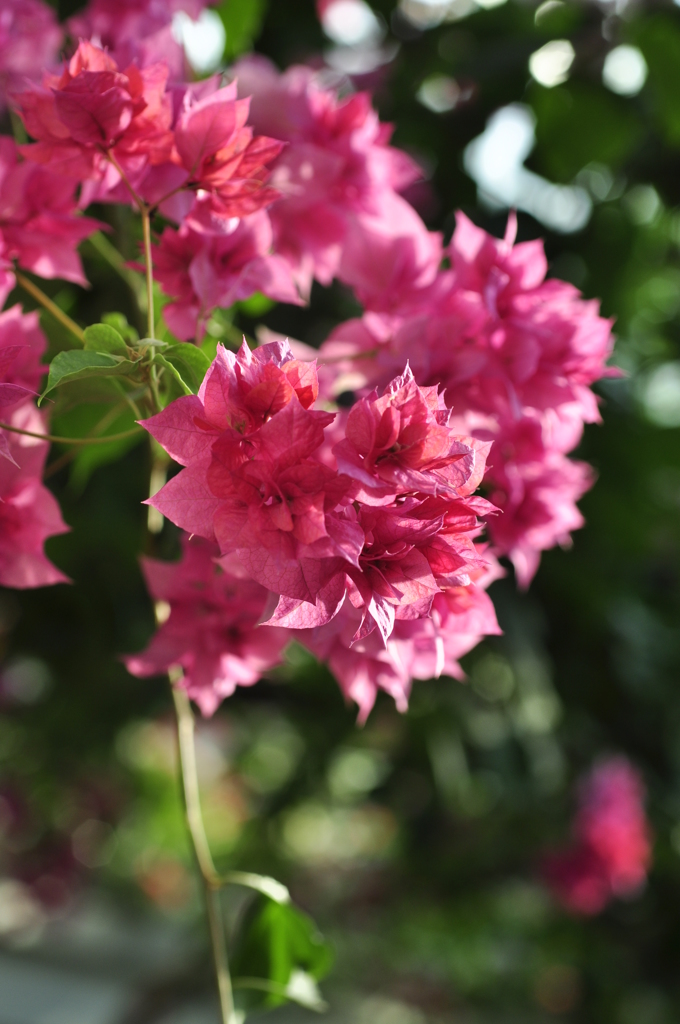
pixel 301 989
pixel 119 322
pixel 280 942
pixel 578 124
pixel 242 20
pixel 191 363
pixel 174 373
pixel 77 364
pixel 256 306
pixel 264 884
pixel 104 338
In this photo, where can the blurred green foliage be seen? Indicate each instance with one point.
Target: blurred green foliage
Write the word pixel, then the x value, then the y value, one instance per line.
pixel 414 841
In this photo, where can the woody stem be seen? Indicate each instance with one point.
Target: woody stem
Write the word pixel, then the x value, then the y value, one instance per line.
pixel 146 229
pixel 199 839
pixel 57 439
pixel 45 301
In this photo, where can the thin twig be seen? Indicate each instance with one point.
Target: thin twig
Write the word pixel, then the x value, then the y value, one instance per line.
pixel 124 178
pixel 44 300
pixel 199 839
pixel 56 439
pixel 219 945
pixel 146 229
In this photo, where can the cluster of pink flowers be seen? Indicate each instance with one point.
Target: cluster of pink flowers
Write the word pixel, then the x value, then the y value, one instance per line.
pixel 123 133
pixel 357 532
pixel 131 30
pixel 611 852
pixel 365 544
pixel 516 354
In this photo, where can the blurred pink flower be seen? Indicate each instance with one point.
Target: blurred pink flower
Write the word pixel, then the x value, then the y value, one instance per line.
pixel 202 271
pixel 30 37
pixel 336 170
pixel 39 227
pixel 136 30
pixel 612 846
pixel 29 513
pixel 212 630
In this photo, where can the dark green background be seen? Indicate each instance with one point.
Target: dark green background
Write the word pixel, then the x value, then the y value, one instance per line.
pixel 445 912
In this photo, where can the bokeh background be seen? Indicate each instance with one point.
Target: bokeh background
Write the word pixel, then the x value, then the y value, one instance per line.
pixel 415 841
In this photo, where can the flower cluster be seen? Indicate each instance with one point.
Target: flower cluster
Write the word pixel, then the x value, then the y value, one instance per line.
pixel 367 543
pixel 122 132
pixel 336 208
pixel 611 852
pixel 516 354
pixel 468 367
pixel 338 178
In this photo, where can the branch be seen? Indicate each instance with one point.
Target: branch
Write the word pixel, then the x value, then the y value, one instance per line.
pixel 211 880
pixel 56 439
pixel 44 300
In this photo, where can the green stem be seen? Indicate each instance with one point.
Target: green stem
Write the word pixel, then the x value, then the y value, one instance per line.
pixel 56 439
pixel 44 300
pixel 151 322
pixel 199 839
pixel 146 231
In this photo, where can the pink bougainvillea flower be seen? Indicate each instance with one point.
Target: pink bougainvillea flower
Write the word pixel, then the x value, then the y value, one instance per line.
pixel 29 513
pixel 389 258
pixel 611 822
pixel 219 152
pixel 237 396
pixel 203 271
pixel 125 136
pixel 94 112
pixel 422 648
pixel 537 489
pixel 376 567
pixel 212 629
pixel 30 37
pixel 336 168
pixel 612 846
pixel 402 443
pixel 38 223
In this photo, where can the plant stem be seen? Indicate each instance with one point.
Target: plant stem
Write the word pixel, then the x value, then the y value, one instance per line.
pixel 151 322
pixel 211 880
pixel 146 230
pixel 56 439
pixel 44 300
